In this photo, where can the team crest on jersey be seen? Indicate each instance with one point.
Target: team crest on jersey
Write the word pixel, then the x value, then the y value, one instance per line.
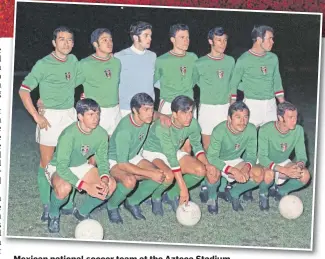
pixel 84 149
pixel 220 73
pixel 183 70
pixel 108 73
pixel 141 136
pixel 264 70
pixel 68 76
pixel 284 147
pixel 237 146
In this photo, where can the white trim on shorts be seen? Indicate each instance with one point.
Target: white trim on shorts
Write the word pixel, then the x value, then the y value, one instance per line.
pixel 277 179
pixel 135 161
pixel 109 118
pixel 231 163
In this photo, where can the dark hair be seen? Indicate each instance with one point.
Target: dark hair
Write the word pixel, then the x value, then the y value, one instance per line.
pixel 217 31
pixel 137 28
pixel 260 31
pixel 85 105
pixel 140 99
pixel 62 29
pixel 97 33
pixel 177 27
pixel 237 106
pixel 285 106
pixel 182 103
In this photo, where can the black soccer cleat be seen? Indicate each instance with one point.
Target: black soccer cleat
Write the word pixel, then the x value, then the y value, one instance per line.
pixel 45 214
pixel 79 216
pixel 173 203
pixel 54 224
pixel 273 190
pixel 157 207
pixel 67 211
pixel 204 195
pixel 278 196
pixel 264 202
pixel 248 196
pixel 236 206
pixel 114 216
pixel 135 210
pixel 213 206
pixel 225 195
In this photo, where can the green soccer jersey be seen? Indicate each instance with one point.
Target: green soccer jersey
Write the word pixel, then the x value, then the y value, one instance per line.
pixel 169 140
pixel 100 79
pixel 74 148
pixel 226 145
pixel 56 79
pixel 275 147
pixel 127 140
pixel 213 76
pixel 175 74
pixel 258 76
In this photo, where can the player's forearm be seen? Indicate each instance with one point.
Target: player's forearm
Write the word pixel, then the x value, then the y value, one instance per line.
pixel 28 103
pixel 180 181
pixel 133 169
pixel 202 157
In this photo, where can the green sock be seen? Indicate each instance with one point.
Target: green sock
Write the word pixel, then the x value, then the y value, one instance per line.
pixel 264 187
pixel 56 204
pixel 145 189
pixel 89 204
pixel 290 186
pixel 118 196
pixel 156 195
pixel 212 189
pixel 190 181
pixel 240 188
pixel 223 184
pixel 69 204
pixel 43 186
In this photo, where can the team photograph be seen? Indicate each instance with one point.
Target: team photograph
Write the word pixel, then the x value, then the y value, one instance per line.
pixel 164 125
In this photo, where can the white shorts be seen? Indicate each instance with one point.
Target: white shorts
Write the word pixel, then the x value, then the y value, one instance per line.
pixel 283 179
pixel 135 161
pixel 261 111
pixel 165 108
pixel 109 118
pixel 150 156
pixel 232 163
pixel 124 113
pixel 79 171
pixel 59 120
pixel 211 115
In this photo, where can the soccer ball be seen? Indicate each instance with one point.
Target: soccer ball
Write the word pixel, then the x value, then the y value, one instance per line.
pixel 89 229
pixel 188 215
pixel 291 207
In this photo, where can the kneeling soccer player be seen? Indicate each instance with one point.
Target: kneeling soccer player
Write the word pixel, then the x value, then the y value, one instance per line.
pixel 163 148
pixel 229 140
pixel 69 167
pixel 276 142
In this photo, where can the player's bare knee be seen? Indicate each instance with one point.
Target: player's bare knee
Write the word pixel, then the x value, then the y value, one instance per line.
pixel 306 176
pixel 62 190
pixel 129 181
pixel 268 176
pixel 258 174
pixel 169 177
pixel 200 170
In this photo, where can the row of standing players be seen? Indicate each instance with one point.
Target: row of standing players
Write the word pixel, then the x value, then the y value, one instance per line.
pixel 114 80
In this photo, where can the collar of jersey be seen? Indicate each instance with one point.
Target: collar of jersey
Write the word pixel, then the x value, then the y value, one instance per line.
pixel 81 130
pixel 235 133
pixel 133 121
pixel 278 129
pixel 176 55
pixel 216 58
pixel 57 58
pixel 139 52
pixel 101 59
pixel 256 54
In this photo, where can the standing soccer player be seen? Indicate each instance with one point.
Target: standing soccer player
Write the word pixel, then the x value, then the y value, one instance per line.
pixel 137 66
pixel 99 74
pixel 174 69
pixel 212 73
pixel 163 149
pixel 257 74
pixel 229 140
pixel 70 169
pixel 127 165
pixel 276 141
pixel 55 74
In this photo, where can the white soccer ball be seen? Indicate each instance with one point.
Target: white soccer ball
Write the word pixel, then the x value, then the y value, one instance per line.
pixel 188 215
pixel 291 207
pixel 89 229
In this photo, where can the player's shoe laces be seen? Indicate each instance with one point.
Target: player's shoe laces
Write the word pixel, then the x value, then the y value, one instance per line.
pixel 135 210
pixel 248 196
pixel 79 216
pixel 173 203
pixel 212 206
pixel 204 196
pixel 54 224
pixel 45 214
pixel 264 202
pixel 114 216
pixel 157 207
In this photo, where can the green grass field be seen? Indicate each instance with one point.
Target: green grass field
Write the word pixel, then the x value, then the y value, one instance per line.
pixel 248 228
